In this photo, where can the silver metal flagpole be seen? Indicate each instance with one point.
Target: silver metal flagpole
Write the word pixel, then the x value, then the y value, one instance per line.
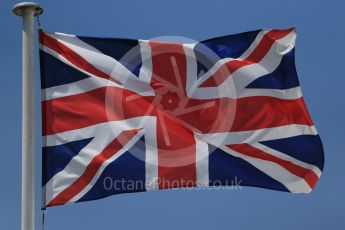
pixel 28 10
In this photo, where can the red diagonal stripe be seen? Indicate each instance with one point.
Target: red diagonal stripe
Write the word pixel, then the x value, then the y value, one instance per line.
pixel 308 175
pixel 93 167
pixel 256 56
pixel 72 56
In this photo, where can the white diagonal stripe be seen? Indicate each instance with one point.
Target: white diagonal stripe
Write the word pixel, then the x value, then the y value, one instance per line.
pixel 292 182
pixel 235 83
pixel 60 181
pixel 223 61
pixel 102 62
pixel 125 148
pixel 286 157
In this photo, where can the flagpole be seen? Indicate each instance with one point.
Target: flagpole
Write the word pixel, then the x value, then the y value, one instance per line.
pixel 28 10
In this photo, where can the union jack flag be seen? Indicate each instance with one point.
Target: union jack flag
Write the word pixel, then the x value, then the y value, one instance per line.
pixel 170 115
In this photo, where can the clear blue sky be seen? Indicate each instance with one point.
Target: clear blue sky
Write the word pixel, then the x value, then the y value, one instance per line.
pixel 319 58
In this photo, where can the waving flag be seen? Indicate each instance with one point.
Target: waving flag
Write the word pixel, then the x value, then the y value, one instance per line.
pixel 123 115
